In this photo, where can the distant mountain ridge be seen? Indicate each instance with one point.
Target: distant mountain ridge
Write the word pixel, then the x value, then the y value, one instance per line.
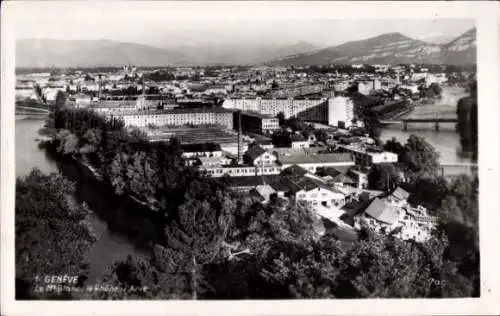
pixel 391 48
pixel 89 53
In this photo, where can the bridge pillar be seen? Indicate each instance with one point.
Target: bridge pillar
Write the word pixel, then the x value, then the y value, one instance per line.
pixel 405 126
pixel 436 126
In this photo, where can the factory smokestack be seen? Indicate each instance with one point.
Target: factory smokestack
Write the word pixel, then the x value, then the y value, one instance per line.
pixel 240 140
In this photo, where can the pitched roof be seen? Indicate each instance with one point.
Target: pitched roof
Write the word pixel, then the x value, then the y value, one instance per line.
pixel 294 170
pixel 197 147
pixel 383 212
pixel 319 158
pixel 295 185
pixel 252 181
pixel 265 191
pixel 400 194
pixel 255 152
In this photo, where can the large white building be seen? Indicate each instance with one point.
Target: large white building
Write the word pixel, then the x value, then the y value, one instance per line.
pixel 340 111
pixel 289 106
pixel 179 117
pixel 331 110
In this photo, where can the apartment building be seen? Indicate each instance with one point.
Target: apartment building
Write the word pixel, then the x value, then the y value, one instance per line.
pixel 180 117
pixel 334 111
pixel 289 106
pixel 340 111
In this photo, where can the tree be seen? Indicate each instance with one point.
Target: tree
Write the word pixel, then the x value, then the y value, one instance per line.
pixel 117 173
pixel 436 88
pixel 52 235
pixel 142 177
pixel 428 192
pixel 321 135
pixel 281 118
pixel 197 236
pixel 68 142
pixel 384 176
pixel 282 139
pixel 394 146
pixel 420 159
pixel 458 215
pixel 468 120
pixel 60 99
pixel 379 266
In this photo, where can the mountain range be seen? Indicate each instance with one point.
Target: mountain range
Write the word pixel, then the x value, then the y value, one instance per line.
pixel 392 48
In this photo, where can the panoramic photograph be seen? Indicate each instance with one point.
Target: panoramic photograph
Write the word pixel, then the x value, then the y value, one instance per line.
pixel 221 159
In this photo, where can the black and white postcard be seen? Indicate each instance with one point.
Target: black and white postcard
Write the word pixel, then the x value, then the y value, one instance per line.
pixel 281 158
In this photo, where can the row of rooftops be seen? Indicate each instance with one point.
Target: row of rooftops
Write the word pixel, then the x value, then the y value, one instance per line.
pixel 215 110
pixel 276 98
pixel 386 212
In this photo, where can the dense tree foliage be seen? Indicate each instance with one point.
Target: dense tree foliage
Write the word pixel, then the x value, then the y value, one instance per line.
pixel 384 176
pixel 51 234
pixel 420 159
pixel 154 172
pixel 459 219
pixel 160 75
pixel 394 146
pixel 467 126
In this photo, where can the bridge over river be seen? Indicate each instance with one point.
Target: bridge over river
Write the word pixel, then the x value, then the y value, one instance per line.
pixel 424 114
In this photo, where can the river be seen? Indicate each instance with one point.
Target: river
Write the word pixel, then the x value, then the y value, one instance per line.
pixel 446 141
pixel 110 244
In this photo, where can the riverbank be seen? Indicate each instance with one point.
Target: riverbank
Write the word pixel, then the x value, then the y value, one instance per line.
pixel 122 227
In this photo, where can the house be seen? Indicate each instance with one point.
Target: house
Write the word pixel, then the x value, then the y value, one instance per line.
pixel 82 100
pixel 264 192
pixel 248 183
pixel 381 216
pixel 311 162
pixel 314 192
pixel 360 176
pixel 258 156
pixel 368 155
pixel 201 150
pixel 294 171
pixel 214 161
pixel 300 144
pixel 337 176
pixel 398 197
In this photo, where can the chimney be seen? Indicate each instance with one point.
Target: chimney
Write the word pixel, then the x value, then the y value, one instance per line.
pixel 100 86
pixel 240 141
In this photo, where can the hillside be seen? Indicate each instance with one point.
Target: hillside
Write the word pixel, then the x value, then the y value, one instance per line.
pixel 90 53
pixel 392 48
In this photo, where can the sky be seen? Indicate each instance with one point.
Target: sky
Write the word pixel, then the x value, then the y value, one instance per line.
pixel 169 25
